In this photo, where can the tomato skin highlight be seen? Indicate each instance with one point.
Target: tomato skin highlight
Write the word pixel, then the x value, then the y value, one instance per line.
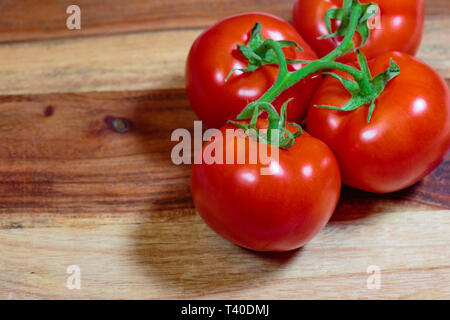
pixel 272 213
pixel 401 26
pixel 407 137
pixel 214 54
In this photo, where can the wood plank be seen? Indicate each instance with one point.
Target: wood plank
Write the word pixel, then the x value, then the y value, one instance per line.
pixel 435 47
pixel 141 61
pixel 124 62
pixel 61 153
pixel 46 19
pixel 176 255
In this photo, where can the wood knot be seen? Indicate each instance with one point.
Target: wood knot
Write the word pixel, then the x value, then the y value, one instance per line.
pixel 48 111
pixel 120 125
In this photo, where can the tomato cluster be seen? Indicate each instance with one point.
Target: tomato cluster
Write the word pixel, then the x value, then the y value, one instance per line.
pixel 379 125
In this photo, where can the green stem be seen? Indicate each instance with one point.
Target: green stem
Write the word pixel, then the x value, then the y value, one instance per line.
pixel 364 84
pixel 347 44
pixel 286 80
pixel 291 79
pixel 283 72
pixel 364 89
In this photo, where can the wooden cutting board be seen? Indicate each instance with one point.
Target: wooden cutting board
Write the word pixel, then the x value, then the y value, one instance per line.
pixel 86 177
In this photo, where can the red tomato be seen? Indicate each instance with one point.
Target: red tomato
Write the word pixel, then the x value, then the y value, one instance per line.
pixel 277 212
pixel 400 28
pixel 407 137
pixel 214 54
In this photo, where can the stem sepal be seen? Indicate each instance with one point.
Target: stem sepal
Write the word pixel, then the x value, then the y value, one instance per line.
pixel 366 90
pixel 260 52
pixel 284 139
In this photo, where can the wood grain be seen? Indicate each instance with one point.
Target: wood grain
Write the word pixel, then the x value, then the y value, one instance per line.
pixel 74 160
pixel 76 190
pixel 62 153
pixel 175 255
pixel 46 19
pixel 110 63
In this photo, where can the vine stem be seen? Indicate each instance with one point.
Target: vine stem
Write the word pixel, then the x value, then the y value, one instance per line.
pixel 287 79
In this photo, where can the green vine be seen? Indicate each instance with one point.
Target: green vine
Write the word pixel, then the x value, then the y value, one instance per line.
pixel 364 88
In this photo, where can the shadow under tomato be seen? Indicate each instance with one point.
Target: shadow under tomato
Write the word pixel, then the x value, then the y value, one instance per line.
pixel 431 193
pixel 184 256
pixel 356 204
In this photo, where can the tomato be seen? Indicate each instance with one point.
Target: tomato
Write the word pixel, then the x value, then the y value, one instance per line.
pixel 214 54
pixel 277 212
pixel 407 137
pixel 400 26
